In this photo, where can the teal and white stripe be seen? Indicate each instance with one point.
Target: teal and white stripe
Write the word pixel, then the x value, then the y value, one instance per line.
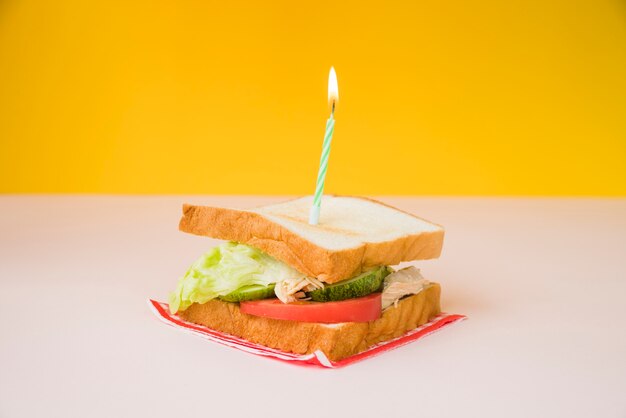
pixel 321 174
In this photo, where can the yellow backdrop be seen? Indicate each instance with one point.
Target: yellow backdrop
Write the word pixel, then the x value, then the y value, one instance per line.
pixel 436 97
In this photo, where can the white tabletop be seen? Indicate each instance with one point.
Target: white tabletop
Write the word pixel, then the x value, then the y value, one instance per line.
pixel 543 282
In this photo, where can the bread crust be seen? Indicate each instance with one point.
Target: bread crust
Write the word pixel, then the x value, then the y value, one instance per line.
pixel 327 265
pixel 337 342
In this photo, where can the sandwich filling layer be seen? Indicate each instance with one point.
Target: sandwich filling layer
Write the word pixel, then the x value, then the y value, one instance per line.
pixel 234 272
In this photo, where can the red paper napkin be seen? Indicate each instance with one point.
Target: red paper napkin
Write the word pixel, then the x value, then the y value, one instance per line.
pixel 316 359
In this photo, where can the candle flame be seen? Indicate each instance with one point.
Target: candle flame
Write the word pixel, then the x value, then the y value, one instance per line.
pixel 333 89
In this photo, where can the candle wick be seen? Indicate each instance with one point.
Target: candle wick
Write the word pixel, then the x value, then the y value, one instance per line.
pixel 332 111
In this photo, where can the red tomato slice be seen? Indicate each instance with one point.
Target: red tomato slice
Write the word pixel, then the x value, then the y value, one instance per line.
pixel 367 308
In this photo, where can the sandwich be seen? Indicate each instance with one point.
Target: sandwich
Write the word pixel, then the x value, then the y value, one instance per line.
pixel 336 286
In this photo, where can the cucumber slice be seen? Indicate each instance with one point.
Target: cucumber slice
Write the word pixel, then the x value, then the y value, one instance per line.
pixel 251 292
pixel 361 285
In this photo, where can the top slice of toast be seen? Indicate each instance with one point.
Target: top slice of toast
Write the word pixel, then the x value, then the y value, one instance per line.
pixel 353 235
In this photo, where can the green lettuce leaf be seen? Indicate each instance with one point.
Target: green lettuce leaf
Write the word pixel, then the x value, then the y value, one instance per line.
pixel 225 269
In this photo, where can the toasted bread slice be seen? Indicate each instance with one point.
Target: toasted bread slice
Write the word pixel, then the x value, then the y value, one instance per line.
pixel 353 235
pixel 337 341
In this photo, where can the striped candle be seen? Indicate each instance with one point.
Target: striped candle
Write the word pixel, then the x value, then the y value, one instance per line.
pixel 333 95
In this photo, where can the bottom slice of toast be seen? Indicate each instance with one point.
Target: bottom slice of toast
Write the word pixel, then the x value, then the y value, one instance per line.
pixel 337 341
